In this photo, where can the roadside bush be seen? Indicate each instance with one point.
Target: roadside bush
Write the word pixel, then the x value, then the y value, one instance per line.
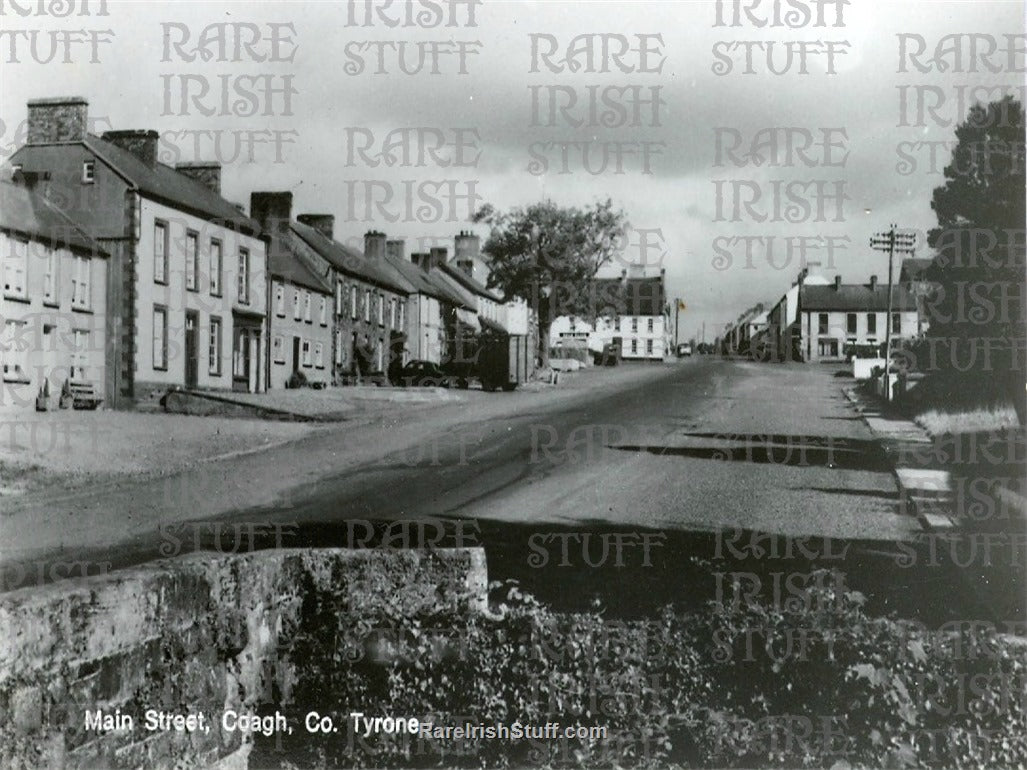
pixel 812 683
pixel 296 380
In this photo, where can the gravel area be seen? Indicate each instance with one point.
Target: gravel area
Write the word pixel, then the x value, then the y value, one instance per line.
pixel 72 448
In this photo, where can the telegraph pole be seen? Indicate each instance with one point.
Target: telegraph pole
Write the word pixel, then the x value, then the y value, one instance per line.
pixel 894 241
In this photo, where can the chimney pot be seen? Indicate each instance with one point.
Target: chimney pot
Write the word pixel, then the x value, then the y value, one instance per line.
pixel 323 223
pixel 62 119
pixel 873 282
pixel 837 282
pixel 206 173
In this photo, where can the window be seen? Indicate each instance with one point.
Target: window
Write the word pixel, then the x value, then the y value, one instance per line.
pixel 215 267
pixel 649 326
pixel 192 261
pixel 280 300
pixel 323 317
pixel 244 277
pixel 160 252
pixel 649 346
pixel 850 323
pixel 16 270
pixel 616 324
pixel 306 352
pixel 338 346
pixel 306 306
pixel 353 302
pixel 634 325
pixel 822 323
pixel 634 345
pixel 214 346
pixel 401 314
pixel 319 355
pixel 296 304
pixel 80 289
pixel 88 172
pixel 15 351
pixel 160 337
pixel 871 323
pixel 896 323
pixel 50 280
pixel 367 306
pixel 278 349
pixel 394 313
pixel 381 310
pixel 338 298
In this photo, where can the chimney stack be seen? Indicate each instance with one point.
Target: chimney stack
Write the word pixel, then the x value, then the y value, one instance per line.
pixel 873 282
pixel 438 255
pixel 396 249
pixel 421 259
pixel 323 223
pixel 273 210
pixel 375 245
pixel 837 282
pixel 207 173
pixel 140 142
pixel 466 245
pixel 63 119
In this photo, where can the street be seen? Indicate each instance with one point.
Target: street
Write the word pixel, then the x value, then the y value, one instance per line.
pixel 634 487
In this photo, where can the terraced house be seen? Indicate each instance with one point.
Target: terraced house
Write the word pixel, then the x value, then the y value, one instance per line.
pixel 186 294
pixel 370 299
pixel 53 300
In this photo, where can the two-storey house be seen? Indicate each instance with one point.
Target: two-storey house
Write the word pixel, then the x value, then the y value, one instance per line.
pixel 53 303
pixel 837 318
pixel 186 295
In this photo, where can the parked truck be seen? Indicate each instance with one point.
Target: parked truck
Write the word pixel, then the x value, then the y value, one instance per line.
pixel 498 362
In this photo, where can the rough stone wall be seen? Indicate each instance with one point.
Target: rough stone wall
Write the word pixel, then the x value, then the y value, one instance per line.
pixel 194 634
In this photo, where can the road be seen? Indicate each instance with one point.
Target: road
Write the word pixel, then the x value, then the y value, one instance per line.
pixel 631 487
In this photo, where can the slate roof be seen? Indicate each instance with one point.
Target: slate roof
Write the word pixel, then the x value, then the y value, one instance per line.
pixel 351 261
pixel 284 261
pixel 160 182
pixel 24 211
pixel 468 282
pixel 427 282
pixel 851 297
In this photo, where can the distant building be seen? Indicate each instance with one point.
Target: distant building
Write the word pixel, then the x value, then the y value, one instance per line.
pixel 631 311
pixel 913 278
pixel 54 298
pixel 835 318
pixel 186 298
pixel 783 337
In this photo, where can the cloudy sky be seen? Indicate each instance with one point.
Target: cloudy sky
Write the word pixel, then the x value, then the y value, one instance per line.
pixel 887 174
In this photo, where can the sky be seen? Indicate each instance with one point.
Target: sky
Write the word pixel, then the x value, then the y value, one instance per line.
pixel 489 99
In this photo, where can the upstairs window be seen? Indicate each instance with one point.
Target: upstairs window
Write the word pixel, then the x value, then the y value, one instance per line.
pixel 192 261
pixel 850 323
pixel 353 302
pixel 871 323
pixel 244 277
pixel 50 280
pixel 215 267
pixel 896 323
pixel 160 252
pixel 822 324
pixel 367 305
pixel 280 300
pixel 296 315
pixel 80 284
pixel 306 306
pixel 323 317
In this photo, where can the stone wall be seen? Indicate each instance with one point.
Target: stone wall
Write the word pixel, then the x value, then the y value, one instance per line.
pixel 189 635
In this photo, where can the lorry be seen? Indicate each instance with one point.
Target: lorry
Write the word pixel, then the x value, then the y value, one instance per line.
pixel 496 361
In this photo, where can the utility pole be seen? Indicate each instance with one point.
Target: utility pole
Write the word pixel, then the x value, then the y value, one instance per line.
pixel 894 241
pixel 677 314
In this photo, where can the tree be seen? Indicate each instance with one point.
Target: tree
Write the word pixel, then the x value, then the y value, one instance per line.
pixel 977 318
pixel 549 255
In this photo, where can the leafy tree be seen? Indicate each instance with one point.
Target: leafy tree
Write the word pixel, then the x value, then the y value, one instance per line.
pixel 549 255
pixel 977 319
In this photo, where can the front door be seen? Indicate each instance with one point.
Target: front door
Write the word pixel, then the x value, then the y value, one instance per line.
pixel 192 362
pixel 295 354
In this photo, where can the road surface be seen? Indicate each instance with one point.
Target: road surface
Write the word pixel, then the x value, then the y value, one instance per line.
pixel 632 487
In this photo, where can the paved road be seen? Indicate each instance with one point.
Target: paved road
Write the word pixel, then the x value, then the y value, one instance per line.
pixel 613 489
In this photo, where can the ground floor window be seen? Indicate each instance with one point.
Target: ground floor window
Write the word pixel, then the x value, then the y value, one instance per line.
pixel 649 346
pixel 278 349
pixel 306 352
pixel 160 338
pixel 338 346
pixel 634 346
pixel 214 346
pixel 319 355
pixel 15 350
